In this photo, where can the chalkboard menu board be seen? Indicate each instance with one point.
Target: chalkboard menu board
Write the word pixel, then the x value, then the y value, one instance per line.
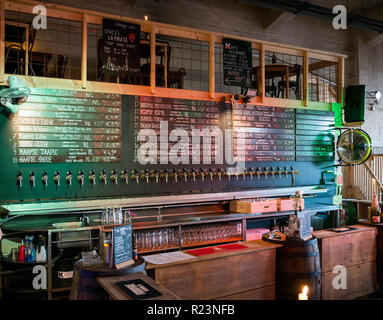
pixel 315 139
pixel 64 126
pixel 269 132
pixel 177 114
pixel 285 134
pixel 120 47
pixel 237 62
pixel 122 245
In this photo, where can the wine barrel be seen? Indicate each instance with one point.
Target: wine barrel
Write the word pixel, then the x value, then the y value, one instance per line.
pixel 84 282
pixel 298 265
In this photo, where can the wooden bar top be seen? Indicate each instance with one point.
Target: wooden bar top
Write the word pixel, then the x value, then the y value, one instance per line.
pixel 321 234
pixel 253 246
pixel 109 284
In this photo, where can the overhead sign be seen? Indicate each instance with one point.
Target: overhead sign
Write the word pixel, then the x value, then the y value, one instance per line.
pixel 120 47
pixel 237 63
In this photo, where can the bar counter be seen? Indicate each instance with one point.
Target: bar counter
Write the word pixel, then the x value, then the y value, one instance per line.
pixel 239 274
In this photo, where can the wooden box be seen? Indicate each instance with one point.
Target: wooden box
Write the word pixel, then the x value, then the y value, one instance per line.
pixel 251 206
pixel 355 250
pixel 287 204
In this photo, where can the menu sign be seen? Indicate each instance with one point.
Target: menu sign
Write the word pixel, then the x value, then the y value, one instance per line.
pixel 65 126
pixel 183 114
pixel 122 246
pixel 237 62
pixel 120 46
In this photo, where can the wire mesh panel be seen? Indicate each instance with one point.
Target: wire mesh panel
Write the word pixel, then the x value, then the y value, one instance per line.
pixel 283 75
pixel 52 52
pixel 186 65
pixel 219 80
pixel 323 76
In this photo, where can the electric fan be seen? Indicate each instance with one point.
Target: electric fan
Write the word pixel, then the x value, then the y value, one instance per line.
pixel 354 147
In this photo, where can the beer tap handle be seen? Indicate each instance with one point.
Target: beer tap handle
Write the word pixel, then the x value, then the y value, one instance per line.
pixel 166 175
pixel 202 173
pixel 211 173
pixel 19 180
pixel 193 174
pixel 44 179
pixel 279 172
pixel 57 178
pixel 219 173
pixel 32 179
pixel 272 172
pixel 258 172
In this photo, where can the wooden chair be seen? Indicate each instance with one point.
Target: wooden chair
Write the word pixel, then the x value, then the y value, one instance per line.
pixel 294 85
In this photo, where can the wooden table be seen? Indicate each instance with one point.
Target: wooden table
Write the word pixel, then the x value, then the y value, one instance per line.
pixel 277 70
pixel 356 251
pixel 232 275
pixel 116 293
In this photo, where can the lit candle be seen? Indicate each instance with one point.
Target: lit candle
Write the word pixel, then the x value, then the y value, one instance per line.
pixel 303 295
pixel 374 186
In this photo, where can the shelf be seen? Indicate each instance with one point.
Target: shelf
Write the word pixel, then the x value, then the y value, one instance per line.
pixel 212 242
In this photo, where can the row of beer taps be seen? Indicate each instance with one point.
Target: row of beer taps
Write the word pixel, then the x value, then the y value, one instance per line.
pixel 160 175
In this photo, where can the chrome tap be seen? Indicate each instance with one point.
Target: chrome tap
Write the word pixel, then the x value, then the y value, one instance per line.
pixel 211 174
pixel 80 178
pixel 175 175
pixel 202 174
pixel 19 180
pixel 258 172
pixel 32 179
pixel 251 172
pixel 103 177
pixel 244 173
pixel 166 174
pixel 272 172
pixel 135 176
pixel 92 177
pixel 57 178
pixel 228 173
pixel 145 175
pixel 124 176
pixel 185 174
pixel 193 174
pixel 68 178
pixel 265 172
pixel 293 175
pixel 219 173
pixel 44 179
pixel 156 175
pixel 113 176
pixel 279 171
pixel 286 172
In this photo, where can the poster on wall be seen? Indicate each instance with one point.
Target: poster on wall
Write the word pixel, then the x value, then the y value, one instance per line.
pixel 237 63
pixel 120 47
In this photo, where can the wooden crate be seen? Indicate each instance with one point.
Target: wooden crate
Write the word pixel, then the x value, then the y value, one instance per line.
pixel 241 274
pixel 356 251
pixel 287 204
pixel 250 206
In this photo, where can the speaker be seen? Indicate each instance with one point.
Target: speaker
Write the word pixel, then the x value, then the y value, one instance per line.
pixel 354 104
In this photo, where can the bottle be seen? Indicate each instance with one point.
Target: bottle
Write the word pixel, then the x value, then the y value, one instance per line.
pixel 134 249
pixel 22 252
pixel 375 209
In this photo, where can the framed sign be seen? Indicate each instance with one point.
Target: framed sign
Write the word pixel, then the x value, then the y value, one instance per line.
pixel 122 246
pixel 237 62
pixel 120 47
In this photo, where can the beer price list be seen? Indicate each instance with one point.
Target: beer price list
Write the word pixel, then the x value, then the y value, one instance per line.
pixel 174 114
pixel 64 126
